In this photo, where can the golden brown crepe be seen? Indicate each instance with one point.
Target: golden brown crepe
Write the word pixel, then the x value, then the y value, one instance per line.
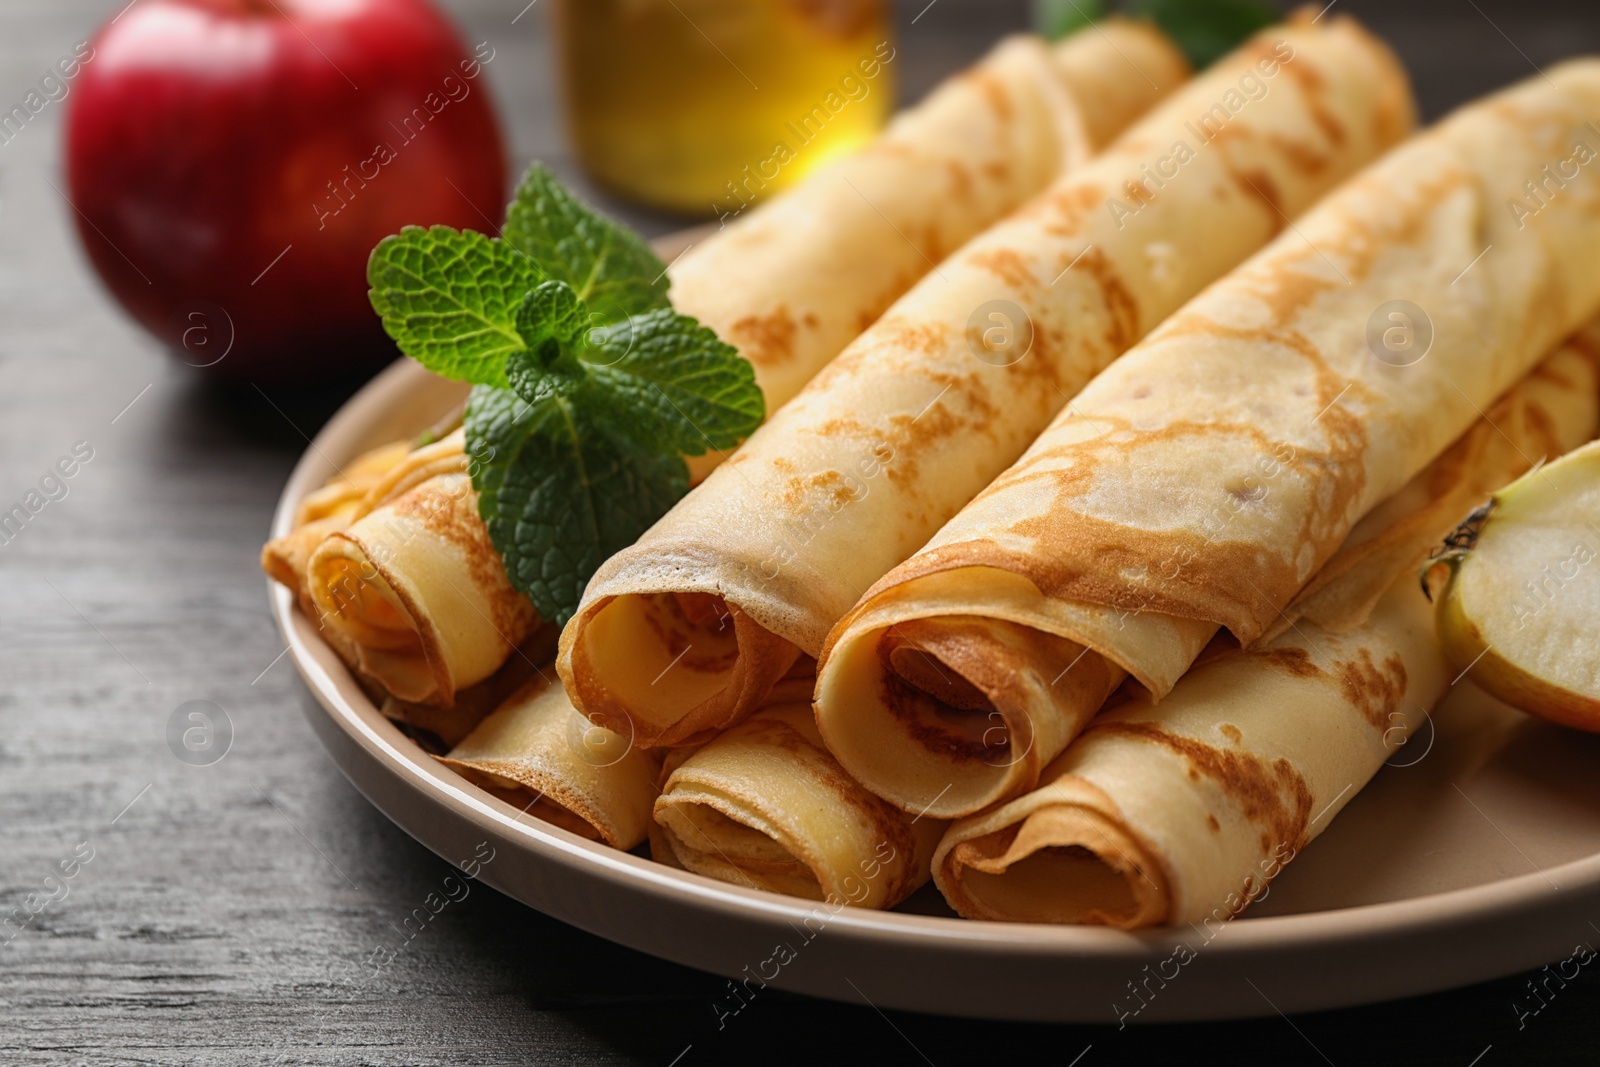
pixel 324 511
pixel 1204 478
pixel 764 805
pixel 416 586
pixel 684 633
pixel 877 220
pixel 1184 811
pixel 380 502
pixel 536 752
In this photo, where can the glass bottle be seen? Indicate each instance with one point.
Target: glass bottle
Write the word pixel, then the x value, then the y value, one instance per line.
pixel 702 106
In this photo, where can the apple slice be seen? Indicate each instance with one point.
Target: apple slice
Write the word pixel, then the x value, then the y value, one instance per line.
pixel 1520 605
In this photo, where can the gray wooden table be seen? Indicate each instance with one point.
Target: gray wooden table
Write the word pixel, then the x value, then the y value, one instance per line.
pixel 219 902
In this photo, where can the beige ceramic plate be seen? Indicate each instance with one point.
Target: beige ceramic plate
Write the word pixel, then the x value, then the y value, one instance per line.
pixel 1475 855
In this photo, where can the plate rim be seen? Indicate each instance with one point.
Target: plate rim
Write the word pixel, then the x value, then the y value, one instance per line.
pixel 1508 902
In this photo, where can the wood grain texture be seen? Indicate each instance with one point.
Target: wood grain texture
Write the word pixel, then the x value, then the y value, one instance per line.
pixel 221 911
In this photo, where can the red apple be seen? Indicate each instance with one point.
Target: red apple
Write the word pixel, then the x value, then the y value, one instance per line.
pixel 233 162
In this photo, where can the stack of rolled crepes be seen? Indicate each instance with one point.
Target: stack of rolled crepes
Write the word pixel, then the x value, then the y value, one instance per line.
pixel 1183 812
pixel 683 636
pixel 1200 483
pixel 684 633
pixel 1202 480
pixel 1260 749
pixel 392 558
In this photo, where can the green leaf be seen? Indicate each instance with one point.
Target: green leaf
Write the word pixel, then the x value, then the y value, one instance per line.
pixel 1055 19
pixel 450 298
pixel 684 389
pixel 496 421
pixel 560 491
pixel 610 267
pixel 552 312
pixel 1207 30
pixel 552 322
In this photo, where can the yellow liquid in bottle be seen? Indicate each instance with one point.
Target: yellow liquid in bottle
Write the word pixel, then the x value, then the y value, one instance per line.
pixel 705 106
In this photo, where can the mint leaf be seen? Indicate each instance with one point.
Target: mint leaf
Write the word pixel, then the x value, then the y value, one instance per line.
pixel 1055 19
pixel 561 490
pixel 552 321
pixel 495 421
pixel 686 390
pixel 449 298
pixel 660 379
pixel 552 312
pixel 610 267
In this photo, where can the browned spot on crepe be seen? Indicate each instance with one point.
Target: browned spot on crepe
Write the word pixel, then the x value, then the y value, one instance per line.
pixel 764 339
pixel 1258 184
pixel 1005 264
pixel 1123 325
pixel 1299 155
pixel 1373 690
pixel 922 670
pixel 1293 661
pixel 925 339
pixel 1272 795
pixel 959 737
pixel 1061 213
pixel 453 516
pixel 1313 88
pixel 996 93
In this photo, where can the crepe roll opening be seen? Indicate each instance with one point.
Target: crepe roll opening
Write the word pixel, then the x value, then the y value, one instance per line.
pixel 914 729
pixel 948 715
pixel 417 587
pixel 703 831
pixel 359 601
pixel 764 805
pixel 670 668
pixel 1061 864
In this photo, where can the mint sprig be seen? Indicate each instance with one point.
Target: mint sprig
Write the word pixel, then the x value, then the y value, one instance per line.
pixel 589 388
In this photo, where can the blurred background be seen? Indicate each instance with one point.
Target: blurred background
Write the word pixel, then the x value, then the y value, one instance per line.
pixel 220 899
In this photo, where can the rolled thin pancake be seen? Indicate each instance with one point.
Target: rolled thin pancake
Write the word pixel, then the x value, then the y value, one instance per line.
pixel 536 752
pixel 875 221
pixel 324 510
pixel 1204 478
pixel 942 393
pixel 764 805
pixel 416 586
pixel 1184 811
